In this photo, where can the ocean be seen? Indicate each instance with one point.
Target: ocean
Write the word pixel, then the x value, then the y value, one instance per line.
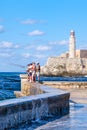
pixel 10 82
pixel 76 119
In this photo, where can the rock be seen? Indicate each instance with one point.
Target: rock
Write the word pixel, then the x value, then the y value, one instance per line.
pixel 57 66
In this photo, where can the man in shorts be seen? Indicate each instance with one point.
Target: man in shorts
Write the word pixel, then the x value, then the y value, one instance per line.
pixel 38 71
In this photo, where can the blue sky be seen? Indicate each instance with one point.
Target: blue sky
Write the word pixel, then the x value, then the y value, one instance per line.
pixel 33 30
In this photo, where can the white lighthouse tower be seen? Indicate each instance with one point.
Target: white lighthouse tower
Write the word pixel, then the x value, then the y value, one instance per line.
pixel 72 45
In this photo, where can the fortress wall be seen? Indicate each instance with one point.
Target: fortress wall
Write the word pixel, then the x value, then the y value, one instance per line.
pixel 57 66
pixel 83 53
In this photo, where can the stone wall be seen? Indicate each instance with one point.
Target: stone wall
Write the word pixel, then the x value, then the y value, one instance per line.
pixel 81 53
pixel 67 85
pixel 27 108
pixel 28 89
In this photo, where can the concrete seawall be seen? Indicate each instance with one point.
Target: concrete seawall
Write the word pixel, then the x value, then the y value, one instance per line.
pixel 53 102
pixel 66 84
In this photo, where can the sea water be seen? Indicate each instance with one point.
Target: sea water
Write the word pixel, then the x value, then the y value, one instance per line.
pixel 10 82
pixel 75 120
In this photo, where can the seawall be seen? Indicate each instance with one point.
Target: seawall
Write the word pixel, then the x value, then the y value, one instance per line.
pixel 66 85
pixel 53 102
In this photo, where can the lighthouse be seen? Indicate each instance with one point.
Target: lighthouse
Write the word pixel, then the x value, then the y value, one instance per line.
pixel 72 45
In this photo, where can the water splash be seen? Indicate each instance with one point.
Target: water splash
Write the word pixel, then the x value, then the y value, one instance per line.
pixel 39 110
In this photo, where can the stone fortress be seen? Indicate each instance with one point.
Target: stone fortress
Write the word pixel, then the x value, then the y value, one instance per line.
pixel 72 63
pixel 73 53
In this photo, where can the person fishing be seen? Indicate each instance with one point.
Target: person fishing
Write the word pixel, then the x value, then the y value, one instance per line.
pixel 29 72
pixel 38 72
pixel 33 72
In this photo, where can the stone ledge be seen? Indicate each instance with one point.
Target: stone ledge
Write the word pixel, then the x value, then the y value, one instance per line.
pixel 25 109
pixel 16 111
pixel 67 85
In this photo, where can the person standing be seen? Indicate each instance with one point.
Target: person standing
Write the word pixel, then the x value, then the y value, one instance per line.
pixel 29 71
pixel 38 71
pixel 28 74
pixel 33 72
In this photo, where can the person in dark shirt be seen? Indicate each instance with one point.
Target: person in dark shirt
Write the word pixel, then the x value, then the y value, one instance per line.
pixel 38 71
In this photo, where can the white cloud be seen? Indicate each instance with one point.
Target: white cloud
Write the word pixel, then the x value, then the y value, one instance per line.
pixel 36 33
pixel 30 47
pixel 32 21
pixel 6 44
pixel 33 56
pixel 39 56
pixel 26 55
pixel 43 48
pixel 5 55
pixel 1 29
pixel 62 42
pixel 16 46
pixel 29 21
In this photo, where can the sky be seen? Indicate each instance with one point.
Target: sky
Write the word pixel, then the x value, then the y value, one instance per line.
pixel 34 30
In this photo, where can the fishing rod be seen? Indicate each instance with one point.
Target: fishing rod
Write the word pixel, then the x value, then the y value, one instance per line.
pixel 14 64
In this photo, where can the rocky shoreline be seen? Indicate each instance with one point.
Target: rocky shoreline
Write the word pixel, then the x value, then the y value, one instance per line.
pixel 57 66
